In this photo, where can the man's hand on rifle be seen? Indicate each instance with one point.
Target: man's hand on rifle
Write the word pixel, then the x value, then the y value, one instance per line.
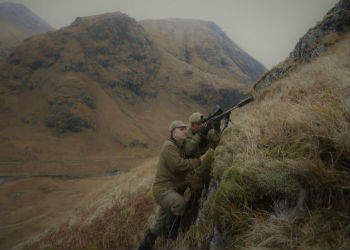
pixel 215 125
pixel 205 154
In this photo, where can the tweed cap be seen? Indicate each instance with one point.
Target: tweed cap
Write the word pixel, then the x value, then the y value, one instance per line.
pixel 176 124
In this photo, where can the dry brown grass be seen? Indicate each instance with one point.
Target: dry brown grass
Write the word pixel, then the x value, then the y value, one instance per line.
pixel 117 228
pixel 104 209
pixel 312 103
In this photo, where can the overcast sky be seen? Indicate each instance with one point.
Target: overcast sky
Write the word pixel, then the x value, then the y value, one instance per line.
pixel 266 29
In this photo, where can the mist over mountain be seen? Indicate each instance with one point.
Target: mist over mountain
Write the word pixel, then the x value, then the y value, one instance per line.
pixel 17 22
pixel 204 45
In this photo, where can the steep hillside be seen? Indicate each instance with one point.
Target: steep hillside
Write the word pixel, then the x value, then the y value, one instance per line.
pixel 17 22
pixel 280 177
pixel 205 46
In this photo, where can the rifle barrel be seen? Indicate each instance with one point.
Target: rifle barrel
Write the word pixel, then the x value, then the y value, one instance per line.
pixel 245 101
pixel 240 104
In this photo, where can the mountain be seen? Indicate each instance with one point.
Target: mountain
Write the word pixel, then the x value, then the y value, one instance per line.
pixel 103 86
pixel 17 22
pixel 205 46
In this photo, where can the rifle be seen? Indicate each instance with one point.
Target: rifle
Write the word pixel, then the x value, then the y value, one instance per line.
pixel 217 112
pixel 218 115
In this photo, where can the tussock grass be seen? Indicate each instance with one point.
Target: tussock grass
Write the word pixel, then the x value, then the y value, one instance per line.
pixel 198 237
pixel 296 234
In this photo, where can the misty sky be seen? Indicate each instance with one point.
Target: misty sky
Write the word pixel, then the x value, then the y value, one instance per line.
pixel 266 29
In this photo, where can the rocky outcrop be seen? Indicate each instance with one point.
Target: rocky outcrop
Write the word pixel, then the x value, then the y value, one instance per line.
pixel 312 44
pixel 71 110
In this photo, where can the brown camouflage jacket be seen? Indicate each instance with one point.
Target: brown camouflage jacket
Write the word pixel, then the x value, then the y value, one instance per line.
pixel 172 169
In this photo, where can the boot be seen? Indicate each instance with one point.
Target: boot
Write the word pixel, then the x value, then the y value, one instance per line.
pixel 148 242
pixel 171 226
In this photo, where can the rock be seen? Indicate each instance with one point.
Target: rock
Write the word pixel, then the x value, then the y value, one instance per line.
pixel 70 113
pixel 136 143
pixel 67 122
pixel 217 242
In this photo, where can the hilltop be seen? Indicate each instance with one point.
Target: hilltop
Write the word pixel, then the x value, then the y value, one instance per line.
pixel 17 23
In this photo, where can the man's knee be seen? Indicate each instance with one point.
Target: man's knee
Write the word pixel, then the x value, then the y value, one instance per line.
pixel 178 207
pixel 175 202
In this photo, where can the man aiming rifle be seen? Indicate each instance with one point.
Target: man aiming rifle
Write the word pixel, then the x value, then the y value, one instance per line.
pixel 219 115
pixel 205 132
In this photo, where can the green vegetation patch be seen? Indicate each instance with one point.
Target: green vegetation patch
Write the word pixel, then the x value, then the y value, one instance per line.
pixel 250 189
pixel 223 159
pixel 202 173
